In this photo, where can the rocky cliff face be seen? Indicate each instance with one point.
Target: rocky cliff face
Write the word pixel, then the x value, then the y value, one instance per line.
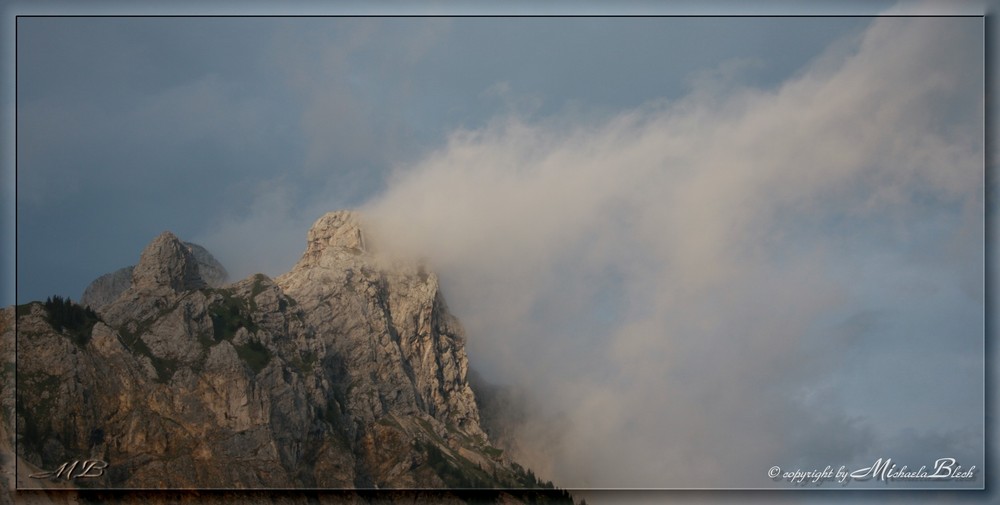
pixel 393 312
pixel 346 372
pixel 108 287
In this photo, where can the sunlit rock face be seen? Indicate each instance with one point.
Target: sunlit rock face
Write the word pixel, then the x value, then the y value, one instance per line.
pixel 346 372
pixel 405 352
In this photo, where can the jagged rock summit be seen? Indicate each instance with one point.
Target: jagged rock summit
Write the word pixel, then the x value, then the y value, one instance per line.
pixel 346 372
pixel 167 263
pixel 402 318
pixel 340 230
pixel 108 287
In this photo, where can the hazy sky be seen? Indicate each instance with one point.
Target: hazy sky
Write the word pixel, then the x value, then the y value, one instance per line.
pixel 707 246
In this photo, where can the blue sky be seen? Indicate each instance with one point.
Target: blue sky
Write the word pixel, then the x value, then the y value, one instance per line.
pixel 748 241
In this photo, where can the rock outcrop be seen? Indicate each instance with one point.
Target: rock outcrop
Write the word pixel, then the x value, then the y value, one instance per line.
pixel 346 372
pixel 108 287
pixel 395 312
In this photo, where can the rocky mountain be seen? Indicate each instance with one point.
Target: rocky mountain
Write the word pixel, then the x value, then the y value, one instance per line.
pixel 106 288
pixel 346 372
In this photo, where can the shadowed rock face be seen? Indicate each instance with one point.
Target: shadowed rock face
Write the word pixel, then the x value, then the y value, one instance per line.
pixel 209 268
pixel 108 287
pixel 104 289
pixel 348 371
pixel 167 263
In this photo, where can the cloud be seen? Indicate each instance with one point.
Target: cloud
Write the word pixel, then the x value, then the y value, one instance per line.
pixel 267 227
pixel 333 77
pixel 664 281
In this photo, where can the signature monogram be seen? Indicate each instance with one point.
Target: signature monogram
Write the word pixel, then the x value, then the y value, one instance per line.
pixel 85 469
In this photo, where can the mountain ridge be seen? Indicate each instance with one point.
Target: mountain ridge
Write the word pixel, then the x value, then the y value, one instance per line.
pixel 348 371
pixel 106 288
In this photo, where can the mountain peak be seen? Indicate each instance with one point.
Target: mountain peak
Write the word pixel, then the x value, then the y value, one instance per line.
pixel 105 289
pixel 338 230
pixel 347 371
pixel 167 262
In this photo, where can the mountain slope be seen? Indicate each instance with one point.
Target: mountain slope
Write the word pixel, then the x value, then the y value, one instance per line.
pixel 346 372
